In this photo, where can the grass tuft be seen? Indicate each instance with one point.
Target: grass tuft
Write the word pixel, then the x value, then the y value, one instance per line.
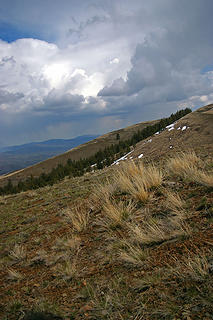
pixel 153 176
pixel 181 164
pixel 176 205
pixel 200 177
pixel 14 275
pixel 136 180
pixel 195 268
pixel 133 254
pixel 155 230
pixel 187 165
pixel 18 253
pixel 79 217
pixel 68 270
pixel 118 212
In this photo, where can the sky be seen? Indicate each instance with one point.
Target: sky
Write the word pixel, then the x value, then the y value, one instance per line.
pixel 70 68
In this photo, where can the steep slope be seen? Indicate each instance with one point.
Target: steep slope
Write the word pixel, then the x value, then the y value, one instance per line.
pixel 83 151
pixel 126 242
pixel 194 131
pixel 104 247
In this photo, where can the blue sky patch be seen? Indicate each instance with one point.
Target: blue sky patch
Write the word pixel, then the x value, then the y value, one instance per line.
pixel 207 68
pixel 10 33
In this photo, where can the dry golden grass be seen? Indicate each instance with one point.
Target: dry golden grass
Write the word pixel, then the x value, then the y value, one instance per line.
pixel 174 201
pixel 155 230
pixel 187 165
pixel 148 233
pixel 135 186
pixel 116 214
pixel 133 254
pixel 68 270
pixel 79 217
pixel 72 243
pixel 181 164
pixel 153 176
pixel 136 180
pixel 196 267
pixel 14 275
pixel 105 190
pixel 132 169
pixel 18 253
pixel 200 177
pixel 176 204
pixel 103 193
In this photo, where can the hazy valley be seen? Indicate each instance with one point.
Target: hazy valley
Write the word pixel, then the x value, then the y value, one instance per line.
pixel 18 157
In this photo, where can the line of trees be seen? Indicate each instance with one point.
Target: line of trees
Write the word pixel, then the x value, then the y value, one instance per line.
pixel 102 158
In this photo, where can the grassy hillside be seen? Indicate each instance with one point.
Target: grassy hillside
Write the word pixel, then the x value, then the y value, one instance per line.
pixel 83 151
pixel 128 242
pixel 194 131
pixel 131 241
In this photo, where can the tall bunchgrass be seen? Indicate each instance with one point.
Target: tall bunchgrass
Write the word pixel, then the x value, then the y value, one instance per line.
pixel 14 275
pixel 118 212
pixel 18 252
pixel 189 166
pixel 133 254
pixel 201 177
pixel 176 205
pixel 137 180
pixel 182 163
pixel 78 216
pixel 192 267
pixel 69 269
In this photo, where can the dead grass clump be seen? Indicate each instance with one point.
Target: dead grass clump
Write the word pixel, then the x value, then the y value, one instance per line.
pixel 14 275
pixel 174 201
pixel 149 232
pixel 70 244
pixel 133 254
pixel 200 177
pixel 176 204
pixel 195 268
pixel 156 230
pixel 153 177
pixel 18 253
pixel 183 163
pixel 68 270
pixel 79 217
pixel 150 280
pixel 135 186
pixel 105 191
pixel 118 213
pixel 187 165
pixel 136 180
pixel 132 169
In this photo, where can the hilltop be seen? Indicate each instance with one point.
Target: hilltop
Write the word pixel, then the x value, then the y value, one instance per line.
pixel 130 241
pixel 194 131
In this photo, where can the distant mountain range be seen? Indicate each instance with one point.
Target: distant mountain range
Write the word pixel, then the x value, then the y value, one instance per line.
pixel 18 157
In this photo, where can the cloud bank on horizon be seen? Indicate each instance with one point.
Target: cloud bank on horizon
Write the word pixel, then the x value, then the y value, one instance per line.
pixel 69 68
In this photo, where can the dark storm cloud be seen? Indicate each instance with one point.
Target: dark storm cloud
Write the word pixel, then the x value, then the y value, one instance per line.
pixel 167 65
pixel 58 102
pixel 101 64
pixel 8 97
pixel 118 88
